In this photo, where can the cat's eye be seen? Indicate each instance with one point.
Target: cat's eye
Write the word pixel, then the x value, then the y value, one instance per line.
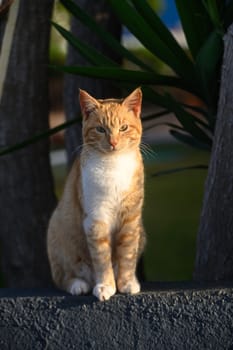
pixel 100 129
pixel 123 127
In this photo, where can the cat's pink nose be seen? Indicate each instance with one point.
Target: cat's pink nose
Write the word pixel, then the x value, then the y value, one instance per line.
pixel 113 143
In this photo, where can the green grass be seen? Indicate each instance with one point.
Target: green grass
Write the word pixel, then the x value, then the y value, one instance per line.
pixel 171 211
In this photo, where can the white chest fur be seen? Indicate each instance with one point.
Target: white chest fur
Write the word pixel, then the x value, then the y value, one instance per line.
pixel 105 178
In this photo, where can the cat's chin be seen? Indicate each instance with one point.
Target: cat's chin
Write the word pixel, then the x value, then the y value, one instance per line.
pixel 118 150
pixel 110 151
pixel 114 151
pixel 104 150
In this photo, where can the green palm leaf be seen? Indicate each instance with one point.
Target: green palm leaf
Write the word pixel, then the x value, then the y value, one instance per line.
pixel 207 61
pixel 124 75
pixel 195 22
pixel 77 12
pixel 153 20
pixel 190 140
pixel 177 170
pixel 228 14
pixel 38 137
pixel 91 54
pixel 152 41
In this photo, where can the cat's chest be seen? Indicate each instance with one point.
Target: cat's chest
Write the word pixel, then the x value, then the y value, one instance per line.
pixel 107 178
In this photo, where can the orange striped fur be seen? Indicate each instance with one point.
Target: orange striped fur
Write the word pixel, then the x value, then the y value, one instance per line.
pixel 95 234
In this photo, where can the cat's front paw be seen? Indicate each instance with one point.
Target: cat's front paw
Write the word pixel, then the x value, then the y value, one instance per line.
pixel 104 291
pixel 129 287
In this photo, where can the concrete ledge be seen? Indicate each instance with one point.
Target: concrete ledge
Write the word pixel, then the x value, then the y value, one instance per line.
pixel 163 316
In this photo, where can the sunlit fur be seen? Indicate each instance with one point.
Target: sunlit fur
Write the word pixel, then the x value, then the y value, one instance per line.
pixel 95 234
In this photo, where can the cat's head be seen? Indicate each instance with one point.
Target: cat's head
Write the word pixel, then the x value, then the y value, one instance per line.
pixel 111 125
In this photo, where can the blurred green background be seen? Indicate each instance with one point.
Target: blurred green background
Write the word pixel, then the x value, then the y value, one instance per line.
pixel 172 209
pixel 172 202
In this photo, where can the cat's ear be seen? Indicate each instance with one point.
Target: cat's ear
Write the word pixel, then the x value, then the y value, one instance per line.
pixel 133 102
pixel 87 103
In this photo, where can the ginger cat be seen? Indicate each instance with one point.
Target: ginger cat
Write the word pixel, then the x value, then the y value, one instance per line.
pixel 95 234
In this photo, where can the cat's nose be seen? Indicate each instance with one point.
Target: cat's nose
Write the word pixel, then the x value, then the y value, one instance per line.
pixel 113 143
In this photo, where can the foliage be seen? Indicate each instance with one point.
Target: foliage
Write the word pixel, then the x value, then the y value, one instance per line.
pixel 196 72
pixel 57 48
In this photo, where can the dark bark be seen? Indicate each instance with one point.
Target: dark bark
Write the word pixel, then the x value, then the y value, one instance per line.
pixel 4 8
pixel 26 184
pixel 214 260
pixel 3 20
pixel 102 13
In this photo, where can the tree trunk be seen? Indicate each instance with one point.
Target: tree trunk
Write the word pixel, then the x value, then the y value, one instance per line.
pixel 102 13
pixel 26 184
pixel 214 260
pixel 3 19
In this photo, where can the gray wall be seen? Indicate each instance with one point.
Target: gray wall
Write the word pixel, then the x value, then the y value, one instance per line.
pixel 161 317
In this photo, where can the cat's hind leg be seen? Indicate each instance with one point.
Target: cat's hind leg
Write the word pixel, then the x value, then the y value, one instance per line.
pixel 80 281
pixel 75 281
pixel 77 286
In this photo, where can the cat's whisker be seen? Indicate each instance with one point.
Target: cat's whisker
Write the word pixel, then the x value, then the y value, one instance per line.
pixel 148 148
pixel 147 154
pixel 147 151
